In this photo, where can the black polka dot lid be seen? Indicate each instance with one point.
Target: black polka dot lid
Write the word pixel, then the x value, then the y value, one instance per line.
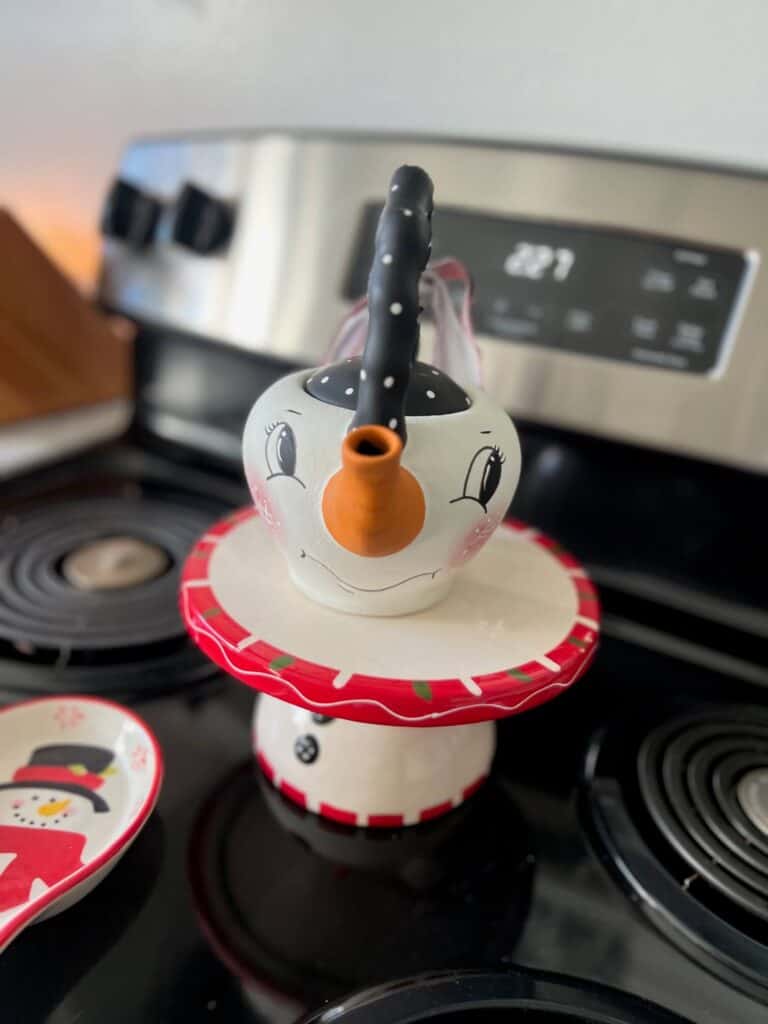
pixel 386 384
pixel 428 392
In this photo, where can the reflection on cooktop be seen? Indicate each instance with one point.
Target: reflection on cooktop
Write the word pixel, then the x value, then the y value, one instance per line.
pixel 683 826
pixel 501 997
pixel 310 909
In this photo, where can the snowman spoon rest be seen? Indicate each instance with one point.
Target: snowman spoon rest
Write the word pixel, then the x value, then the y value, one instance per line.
pixel 79 778
pixel 379 482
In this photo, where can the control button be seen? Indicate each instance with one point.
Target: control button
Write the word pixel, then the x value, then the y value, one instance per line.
pixel 202 222
pixel 704 288
pixel 691 257
pixel 579 321
pixel 130 214
pixel 688 337
pixel 508 325
pixel 657 280
pixel 644 327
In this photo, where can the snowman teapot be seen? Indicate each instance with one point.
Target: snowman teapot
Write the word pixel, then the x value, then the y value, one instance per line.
pixel 379 476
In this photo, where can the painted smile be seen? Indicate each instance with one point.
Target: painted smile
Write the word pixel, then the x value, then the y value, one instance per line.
pixel 351 588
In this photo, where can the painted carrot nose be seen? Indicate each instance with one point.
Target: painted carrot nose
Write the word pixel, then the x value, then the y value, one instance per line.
pixel 372 506
pixel 48 810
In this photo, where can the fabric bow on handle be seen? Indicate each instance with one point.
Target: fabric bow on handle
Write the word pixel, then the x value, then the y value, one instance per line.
pixel 445 292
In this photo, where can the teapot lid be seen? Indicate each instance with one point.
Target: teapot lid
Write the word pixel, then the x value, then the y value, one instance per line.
pixel 428 392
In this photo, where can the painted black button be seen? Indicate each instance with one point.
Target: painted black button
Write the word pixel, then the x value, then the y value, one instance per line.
pixel 307 749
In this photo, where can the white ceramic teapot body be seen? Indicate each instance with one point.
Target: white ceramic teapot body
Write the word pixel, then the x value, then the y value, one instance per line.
pixel 466 464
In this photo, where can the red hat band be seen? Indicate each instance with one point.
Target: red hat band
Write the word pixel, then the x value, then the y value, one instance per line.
pixel 51 774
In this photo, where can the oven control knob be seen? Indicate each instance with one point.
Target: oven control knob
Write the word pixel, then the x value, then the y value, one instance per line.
pixel 202 222
pixel 130 214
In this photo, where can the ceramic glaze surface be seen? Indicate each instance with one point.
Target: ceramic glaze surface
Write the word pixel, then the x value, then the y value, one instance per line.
pixel 466 463
pixel 365 774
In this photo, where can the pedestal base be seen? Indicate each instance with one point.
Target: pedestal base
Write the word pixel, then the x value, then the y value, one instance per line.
pixel 367 774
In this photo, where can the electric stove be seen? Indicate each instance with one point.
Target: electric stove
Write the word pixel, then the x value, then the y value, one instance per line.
pixel 622 840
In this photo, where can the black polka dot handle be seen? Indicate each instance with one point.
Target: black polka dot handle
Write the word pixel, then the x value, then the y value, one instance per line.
pixel 403 240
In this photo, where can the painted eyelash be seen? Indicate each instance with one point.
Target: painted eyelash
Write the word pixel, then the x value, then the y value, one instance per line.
pixel 500 453
pixel 272 426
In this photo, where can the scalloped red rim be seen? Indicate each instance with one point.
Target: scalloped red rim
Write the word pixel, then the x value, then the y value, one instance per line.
pixel 375 699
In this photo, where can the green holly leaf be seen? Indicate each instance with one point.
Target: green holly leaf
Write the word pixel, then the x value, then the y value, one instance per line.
pixel 422 689
pixel 517 674
pixel 211 613
pixel 78 769
pixel 578 642
pixel 282 661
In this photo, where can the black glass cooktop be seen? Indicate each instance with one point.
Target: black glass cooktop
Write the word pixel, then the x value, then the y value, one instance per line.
pixel 589 853
pixel 232 905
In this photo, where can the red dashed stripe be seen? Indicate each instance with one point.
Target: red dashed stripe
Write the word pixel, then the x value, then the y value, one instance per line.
pixel 436 811
pixel 473 788
pixel 374 820
pixel 265 766
pixel 385 820
pixel 337 814
pixel 293 794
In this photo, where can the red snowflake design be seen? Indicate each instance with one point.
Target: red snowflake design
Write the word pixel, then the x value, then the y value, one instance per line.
pixel 68 716
pixel 139 757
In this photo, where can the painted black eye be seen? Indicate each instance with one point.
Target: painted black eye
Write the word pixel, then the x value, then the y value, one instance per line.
pixel 307 749
pixel 280 451
pixel 483 476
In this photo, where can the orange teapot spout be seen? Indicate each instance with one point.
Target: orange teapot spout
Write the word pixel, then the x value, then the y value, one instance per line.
pixel 373 506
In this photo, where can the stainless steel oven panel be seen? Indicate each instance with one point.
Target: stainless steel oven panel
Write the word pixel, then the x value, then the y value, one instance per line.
pixel 299 199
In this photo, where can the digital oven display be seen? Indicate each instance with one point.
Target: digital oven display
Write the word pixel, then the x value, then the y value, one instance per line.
pixel 598 292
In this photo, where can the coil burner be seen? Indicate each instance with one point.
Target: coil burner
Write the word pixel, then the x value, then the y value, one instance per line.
pixel 682 813
pixel 88 596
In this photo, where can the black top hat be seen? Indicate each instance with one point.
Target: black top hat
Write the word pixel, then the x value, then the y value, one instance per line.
pixel 72 768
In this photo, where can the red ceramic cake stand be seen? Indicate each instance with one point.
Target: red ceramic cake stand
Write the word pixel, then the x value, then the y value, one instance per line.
pixel 388 721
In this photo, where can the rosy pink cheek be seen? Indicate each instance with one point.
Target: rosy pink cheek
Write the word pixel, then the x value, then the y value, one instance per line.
pixel 16 804
pixel 474 539
pixel 264 506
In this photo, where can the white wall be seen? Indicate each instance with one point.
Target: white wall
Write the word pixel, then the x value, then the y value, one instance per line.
pixel 78 77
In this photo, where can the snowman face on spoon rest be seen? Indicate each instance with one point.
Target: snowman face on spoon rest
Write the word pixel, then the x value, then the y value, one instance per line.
pixel 380 476
pixel 44 807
